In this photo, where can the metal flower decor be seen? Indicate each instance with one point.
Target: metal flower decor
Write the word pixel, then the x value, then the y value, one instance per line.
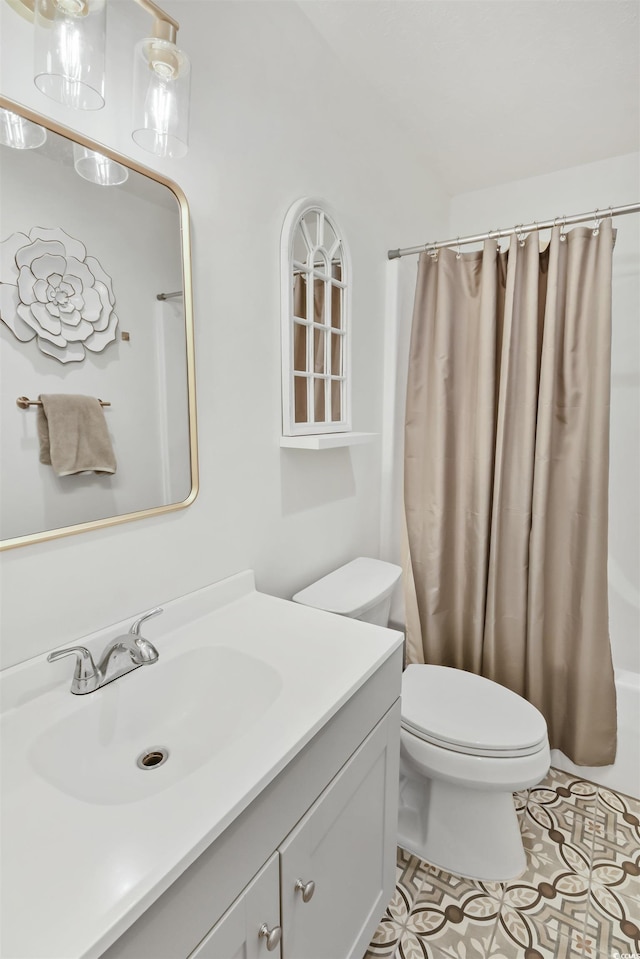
pixel 51 290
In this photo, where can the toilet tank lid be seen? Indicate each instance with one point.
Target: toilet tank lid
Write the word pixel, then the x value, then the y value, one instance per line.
pixel 352 588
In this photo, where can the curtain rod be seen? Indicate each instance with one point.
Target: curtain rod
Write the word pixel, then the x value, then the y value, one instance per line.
pixel 596 215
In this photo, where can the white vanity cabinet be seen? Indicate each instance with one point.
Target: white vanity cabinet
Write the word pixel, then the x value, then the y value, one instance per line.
pixel 329 818
pixel 333 871
pixel 251 925
pixel 346 846
pixel 282 728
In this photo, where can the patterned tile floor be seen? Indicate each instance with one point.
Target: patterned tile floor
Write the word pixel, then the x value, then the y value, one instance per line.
pixel 578 899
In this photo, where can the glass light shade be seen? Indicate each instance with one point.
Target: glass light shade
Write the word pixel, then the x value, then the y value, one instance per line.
pixel 70 40
pixel 161 85
pixel 19 133
pixel 98 168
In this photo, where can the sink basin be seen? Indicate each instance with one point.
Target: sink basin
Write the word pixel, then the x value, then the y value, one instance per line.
pixel 193 705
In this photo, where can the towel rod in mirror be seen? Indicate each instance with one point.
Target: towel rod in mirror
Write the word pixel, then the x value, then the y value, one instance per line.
pixel 24 402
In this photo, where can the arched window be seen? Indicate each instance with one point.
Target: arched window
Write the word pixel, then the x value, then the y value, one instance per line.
pixel 315 322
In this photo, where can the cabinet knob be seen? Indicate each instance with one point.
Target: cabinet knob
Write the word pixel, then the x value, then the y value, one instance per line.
pixel 306 888
pixel 273 936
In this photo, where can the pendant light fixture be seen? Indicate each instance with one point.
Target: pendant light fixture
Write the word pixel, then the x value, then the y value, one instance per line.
pixel 97 168
pixel 161 85
pixel 70 40
pixel 20 133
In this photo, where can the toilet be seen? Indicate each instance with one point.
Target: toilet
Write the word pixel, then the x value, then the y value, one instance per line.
pixel 466 744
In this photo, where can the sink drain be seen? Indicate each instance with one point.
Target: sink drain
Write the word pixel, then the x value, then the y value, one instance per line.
pixel 152 758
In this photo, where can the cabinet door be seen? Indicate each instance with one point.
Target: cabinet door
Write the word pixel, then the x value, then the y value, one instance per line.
pixel 346 845
pixel 237 934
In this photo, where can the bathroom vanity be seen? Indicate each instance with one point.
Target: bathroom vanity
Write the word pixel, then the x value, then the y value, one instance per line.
pixel 270 830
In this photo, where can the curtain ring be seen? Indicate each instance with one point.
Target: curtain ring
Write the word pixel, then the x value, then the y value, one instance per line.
pixel 432 251
pixel 555 224
pixel 520 235
pixel 596 228
pixel 458 253
pixel 495 235
pixel 563 235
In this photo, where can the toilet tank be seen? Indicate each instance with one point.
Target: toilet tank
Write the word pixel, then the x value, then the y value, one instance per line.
pixel 361 589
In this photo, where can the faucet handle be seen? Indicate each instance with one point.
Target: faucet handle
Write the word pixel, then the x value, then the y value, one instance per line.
pixel 86 677
pixel 135 629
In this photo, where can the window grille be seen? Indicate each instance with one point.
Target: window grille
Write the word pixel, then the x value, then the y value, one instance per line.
pixel 315 322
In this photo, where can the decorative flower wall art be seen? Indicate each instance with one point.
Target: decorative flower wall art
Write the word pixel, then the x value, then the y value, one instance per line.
pixel 51 290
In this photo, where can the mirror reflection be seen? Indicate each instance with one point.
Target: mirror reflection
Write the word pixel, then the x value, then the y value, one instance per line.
pixel 95 318
pixel 318 327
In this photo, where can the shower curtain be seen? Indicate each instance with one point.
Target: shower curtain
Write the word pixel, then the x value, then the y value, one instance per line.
pixel 506 476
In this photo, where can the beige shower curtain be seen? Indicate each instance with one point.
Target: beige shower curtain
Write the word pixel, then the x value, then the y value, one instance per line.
pixel 506 476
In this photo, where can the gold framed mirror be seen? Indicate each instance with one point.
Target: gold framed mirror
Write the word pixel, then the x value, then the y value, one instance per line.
pixel 96 316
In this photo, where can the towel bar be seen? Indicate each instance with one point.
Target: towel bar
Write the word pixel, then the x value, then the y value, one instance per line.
pixel 24 402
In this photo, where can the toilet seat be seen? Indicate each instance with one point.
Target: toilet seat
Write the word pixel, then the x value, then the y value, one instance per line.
pixel 467 713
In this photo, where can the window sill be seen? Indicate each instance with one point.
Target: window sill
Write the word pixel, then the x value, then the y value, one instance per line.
pixel 324 441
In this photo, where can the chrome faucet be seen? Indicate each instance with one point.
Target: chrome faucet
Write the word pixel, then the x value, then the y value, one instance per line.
pixel 121 656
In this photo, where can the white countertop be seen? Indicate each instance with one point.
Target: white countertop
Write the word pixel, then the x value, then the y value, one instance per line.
pixel 76 873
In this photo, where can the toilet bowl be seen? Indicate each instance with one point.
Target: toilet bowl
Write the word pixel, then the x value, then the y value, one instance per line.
pixel 466 744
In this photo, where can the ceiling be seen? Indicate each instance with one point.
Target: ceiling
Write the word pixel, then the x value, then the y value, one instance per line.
pixel 496 90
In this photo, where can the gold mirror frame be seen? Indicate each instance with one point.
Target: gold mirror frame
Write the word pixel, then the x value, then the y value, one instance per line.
pixel 75 137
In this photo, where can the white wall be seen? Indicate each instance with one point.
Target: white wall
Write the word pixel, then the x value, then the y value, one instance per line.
pixel 291 515
pixel 593 186
pixel 172 396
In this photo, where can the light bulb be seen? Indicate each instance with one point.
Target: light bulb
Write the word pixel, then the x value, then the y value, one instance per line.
pixel 70 38
pixel 162 78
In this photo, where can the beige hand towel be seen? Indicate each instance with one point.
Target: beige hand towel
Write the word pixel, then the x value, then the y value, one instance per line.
pixel 73 435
